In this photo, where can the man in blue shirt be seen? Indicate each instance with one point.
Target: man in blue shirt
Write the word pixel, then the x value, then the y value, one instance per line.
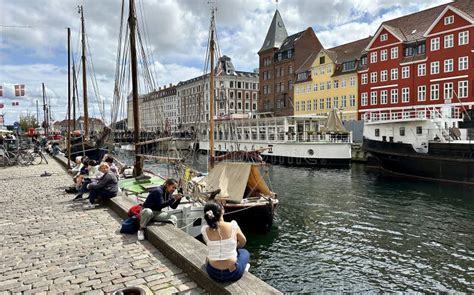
pixel 158 199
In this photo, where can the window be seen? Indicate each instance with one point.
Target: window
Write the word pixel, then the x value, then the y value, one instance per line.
pixel 280 56
pixel 405 94
pixel 352 100
pixel 409 51
pixel 321 86
pixel 394 74
pixel 336 84
pixel 343 101
pixel 449 20
pixel 406 72
pixel 373 98
pixel 419 130
pixel 290 53
pixel 322 60
pixel 421 48
pixel 308 103
pixel 315 87
pixel 321 103
pixel 448 90
pixel 384 37
pixel 383 97
pixel 363 60
pixel 290 69
pixel 343 83
pixel 463 38
pixel 329 69
pixel 297 106
pixel 315 104
pixel 373 57
pixel 448 65
pixel 402 131
pixel 435 68
pixel 336 102
pixel 328 103
pixel 449 41
pixel 303 106
pixel 383 76
pixel 463 63
pixel 421 93
pixel 394 52
pixel 421 70
pixel 364 99
pixel 434 93
pixel 348 66
pixel 352 81
pixel 462 89
pixel 435 44
pixel 373 77
pixel 364 79
pixel 383 55
pixel 377 132
pixel 328 84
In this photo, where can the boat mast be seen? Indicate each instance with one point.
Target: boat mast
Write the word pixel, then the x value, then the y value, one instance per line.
pixel 211 94
pixel 45 113
pixel 68 97
pixel 74 89
pixel 84 78
pixel 133 58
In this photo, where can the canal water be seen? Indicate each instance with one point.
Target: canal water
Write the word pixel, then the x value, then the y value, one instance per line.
pixel 357 230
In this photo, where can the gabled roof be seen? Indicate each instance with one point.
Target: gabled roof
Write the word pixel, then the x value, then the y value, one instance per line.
pixel 289 41
pixel 463 8
pixel 307 63
pixel 276 33
pixel 349 51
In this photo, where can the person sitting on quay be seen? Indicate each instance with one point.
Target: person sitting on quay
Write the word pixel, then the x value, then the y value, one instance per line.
pixel 157 200
pixel 78 173
pixel 105 188
pixel 226 260
pixel 112 167
pixel 93 175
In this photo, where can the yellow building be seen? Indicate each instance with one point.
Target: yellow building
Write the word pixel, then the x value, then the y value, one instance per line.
pixel 328 80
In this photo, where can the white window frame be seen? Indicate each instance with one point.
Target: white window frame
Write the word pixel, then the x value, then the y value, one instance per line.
pixel 449 41
pixel 373 98
pixel 434 92
pixel 394 74
pixel 394 96
pixel 383 55
pixel 463 38
pixel 463 63
pixel 383 96
pixel 352 100
pixel 422 93
pixel 448 91
pixel 405 95
pixel 421 70
pixel 352 81
pixel 434 45
pixel 406 72
pixel 448 20
pixel 463 88
pixel 364 79
pixel 434 68
pixel 394 52
pixel 373 77
pixel 364 99
pixel 448 65
pixel 383 75
pixel 384 37
pixel 373 57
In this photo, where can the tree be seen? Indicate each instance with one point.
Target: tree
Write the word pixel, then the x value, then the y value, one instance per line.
pixel 28 121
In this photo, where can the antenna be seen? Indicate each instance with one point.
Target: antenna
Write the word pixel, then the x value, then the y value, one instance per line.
pixel 276 4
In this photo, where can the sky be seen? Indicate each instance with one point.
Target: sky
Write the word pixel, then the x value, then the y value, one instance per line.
pixel 33 39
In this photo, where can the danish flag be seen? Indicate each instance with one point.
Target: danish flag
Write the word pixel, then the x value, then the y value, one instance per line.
pixel 20 90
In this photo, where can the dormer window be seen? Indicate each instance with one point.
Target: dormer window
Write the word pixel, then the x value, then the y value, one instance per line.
pixel 363 60
pixel 409 51
pixel 280 56
pixel 348 66
pixel 449 20
pixel 421 48
pixel 383 37
pixel 290 54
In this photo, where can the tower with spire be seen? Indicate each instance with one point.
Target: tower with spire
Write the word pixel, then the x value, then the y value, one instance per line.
pixel 279 57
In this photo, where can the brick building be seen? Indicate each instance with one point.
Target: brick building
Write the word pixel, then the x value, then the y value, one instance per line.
pixel 419 61
pixel 279 57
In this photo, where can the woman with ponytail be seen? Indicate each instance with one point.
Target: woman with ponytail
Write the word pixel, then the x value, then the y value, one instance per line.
pixel 226 259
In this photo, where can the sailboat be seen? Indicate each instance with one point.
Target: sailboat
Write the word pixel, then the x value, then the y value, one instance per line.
pixel 242 190
pixel 190 212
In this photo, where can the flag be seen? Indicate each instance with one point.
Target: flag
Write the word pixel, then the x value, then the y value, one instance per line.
pixel 15 103
pixel 20 90
pixel 1 90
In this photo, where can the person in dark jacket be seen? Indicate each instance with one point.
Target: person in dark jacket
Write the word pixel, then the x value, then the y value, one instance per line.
pixel 106 187
pixel 158 199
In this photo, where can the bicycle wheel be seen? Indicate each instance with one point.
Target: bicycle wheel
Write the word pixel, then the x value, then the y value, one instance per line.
pixel 37 158
pixel 4 161
pixel 25 159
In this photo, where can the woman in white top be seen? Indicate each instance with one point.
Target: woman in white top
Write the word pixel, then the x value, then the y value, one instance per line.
pixel 226 260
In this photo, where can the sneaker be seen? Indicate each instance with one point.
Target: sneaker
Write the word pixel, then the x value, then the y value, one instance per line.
pixel 141 235
pixel 71 190
pixel 78 198
pixel 247 267
pixel 90 206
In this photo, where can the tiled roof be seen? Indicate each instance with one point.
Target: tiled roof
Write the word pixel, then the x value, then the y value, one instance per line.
pixel 349 51
pixel 466 6
pixel 307 63
pixel 289 42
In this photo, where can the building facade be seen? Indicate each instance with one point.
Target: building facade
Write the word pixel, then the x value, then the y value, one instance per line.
pixel 419 61
pixel 236 95
pixel 328 80
pixel 279 57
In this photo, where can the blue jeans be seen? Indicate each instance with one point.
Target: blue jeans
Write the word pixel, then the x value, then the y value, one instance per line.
pixel 95 193
pixel 243 257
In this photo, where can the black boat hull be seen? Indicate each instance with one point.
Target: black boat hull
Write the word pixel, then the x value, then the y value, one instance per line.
pixel 251 217
pixel 448 162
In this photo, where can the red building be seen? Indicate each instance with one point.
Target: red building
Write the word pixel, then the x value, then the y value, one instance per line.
pixel 419 61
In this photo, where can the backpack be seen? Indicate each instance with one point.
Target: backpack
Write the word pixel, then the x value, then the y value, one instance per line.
pixel 135 211
pixel 130 225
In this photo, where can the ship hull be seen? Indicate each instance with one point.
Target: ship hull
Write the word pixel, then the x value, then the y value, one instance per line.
pixel 251 217
pixel 447 162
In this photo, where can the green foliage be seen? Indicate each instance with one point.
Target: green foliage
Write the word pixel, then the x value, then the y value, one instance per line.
pixel 28 121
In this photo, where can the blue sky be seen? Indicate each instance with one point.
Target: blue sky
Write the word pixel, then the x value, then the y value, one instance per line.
pixel 33 38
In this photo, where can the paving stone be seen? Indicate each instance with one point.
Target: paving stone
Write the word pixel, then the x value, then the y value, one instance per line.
pixel 52 245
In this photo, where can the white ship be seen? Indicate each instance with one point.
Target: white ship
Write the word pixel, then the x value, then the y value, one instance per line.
pixel 292 140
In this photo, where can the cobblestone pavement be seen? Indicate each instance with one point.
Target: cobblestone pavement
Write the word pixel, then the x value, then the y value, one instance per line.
pixel 50 244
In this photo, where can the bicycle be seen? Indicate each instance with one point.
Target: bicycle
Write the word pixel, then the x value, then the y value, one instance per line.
pixel 38 156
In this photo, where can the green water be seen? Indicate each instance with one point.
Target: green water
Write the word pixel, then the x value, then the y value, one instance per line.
pixel 356 230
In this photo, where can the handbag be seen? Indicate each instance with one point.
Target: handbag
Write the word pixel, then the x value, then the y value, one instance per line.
pixel 130 225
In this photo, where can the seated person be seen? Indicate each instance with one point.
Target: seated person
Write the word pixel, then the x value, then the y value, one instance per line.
pixel 159 198
pixel 226 260
pixel 105 188
pixel 93 175
pixel 112 167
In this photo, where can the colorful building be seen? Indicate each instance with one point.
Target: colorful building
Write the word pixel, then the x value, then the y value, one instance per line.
pixel 419 61
pixel 328 80
pixel 279 56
